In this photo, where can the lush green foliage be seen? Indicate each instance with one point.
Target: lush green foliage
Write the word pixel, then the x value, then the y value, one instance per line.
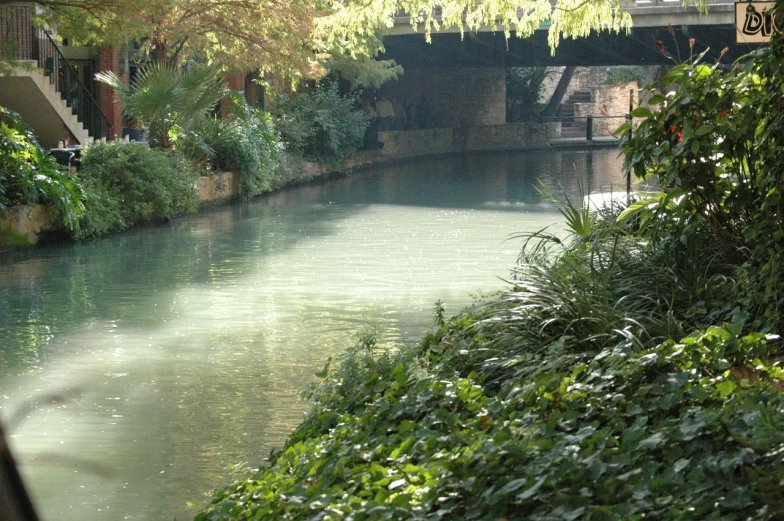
pixel 524 87
pixel 715 145
pixel 167 100
pixel 246 143
pixel 625 74
pixel 29 176
pixel 131 184
pixel 323 126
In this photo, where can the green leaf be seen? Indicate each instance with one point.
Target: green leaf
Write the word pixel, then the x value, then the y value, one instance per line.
pixel 725 388
pixel 651 442
pixel 533 490
pixel 642 112
pixel 512 486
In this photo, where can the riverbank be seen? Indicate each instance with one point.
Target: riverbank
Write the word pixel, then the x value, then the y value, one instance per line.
pixel 23 225
pixel 584 390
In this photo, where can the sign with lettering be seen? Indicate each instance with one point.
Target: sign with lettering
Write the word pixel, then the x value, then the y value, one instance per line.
pixel 755 23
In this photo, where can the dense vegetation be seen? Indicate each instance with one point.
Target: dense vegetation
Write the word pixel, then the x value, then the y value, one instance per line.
pixel 29 176
pixel 524 89
pixel 126 185
pixel 625 74
pixel 323 125
pixel 630 371
pixel 122 185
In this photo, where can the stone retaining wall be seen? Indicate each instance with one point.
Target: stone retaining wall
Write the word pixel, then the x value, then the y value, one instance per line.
pixel 608 101
pixel 512 136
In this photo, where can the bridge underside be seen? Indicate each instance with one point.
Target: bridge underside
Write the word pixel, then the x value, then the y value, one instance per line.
pixel 486 49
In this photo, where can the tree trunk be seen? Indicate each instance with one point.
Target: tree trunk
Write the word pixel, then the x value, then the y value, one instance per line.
pixel 159 51
pixel 555 101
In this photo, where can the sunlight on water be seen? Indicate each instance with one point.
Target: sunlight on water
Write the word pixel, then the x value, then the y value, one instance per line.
pixel 182 349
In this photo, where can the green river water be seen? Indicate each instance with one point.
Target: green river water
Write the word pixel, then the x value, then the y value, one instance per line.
pixel 181 349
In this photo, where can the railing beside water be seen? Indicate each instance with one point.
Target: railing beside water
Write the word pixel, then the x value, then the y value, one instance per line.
pixel 589 122
pixel 20 39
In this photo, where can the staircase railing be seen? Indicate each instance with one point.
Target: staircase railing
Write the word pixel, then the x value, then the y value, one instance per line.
pixel 21 40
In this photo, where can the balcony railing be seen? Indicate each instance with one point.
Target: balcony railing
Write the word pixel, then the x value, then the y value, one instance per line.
pixel 20 39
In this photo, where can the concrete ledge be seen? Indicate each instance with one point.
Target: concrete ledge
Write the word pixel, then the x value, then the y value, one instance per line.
pixel 25 225
pixel 485 138
pixel 581 142
pixel 218 188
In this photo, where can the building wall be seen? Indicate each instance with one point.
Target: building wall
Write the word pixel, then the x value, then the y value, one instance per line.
pixel 16 31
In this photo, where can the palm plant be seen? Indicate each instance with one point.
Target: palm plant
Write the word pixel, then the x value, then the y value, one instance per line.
pixel 167 100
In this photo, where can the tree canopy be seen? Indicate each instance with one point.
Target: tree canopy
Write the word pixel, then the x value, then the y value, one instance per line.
pixel 302 37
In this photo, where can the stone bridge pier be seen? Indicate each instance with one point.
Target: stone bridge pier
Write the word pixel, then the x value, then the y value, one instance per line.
pixel 453 97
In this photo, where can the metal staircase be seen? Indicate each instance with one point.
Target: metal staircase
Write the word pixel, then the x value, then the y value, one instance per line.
pixel 37 64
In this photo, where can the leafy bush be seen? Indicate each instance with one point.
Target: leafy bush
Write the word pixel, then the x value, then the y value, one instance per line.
pixel 251 148
pixel 131 184
pixel 524 87
pixel 323 126
pixel 625 74
pixel 29 176
pixel 716 148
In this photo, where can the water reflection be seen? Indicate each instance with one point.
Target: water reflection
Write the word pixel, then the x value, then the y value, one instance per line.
pixel 190 342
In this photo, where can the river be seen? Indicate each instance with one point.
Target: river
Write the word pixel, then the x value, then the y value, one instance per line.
pixel 135 369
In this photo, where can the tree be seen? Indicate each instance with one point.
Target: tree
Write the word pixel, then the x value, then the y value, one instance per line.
pixel 301 37
pixel 555 101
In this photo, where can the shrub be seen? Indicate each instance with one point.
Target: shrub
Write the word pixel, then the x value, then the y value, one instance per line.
pixel 131 184
pixel 625 74
pixel 680 430
pixel 29 176
pixel 251 148
pixel 246 143
pixel 715 146
pixel 322 126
